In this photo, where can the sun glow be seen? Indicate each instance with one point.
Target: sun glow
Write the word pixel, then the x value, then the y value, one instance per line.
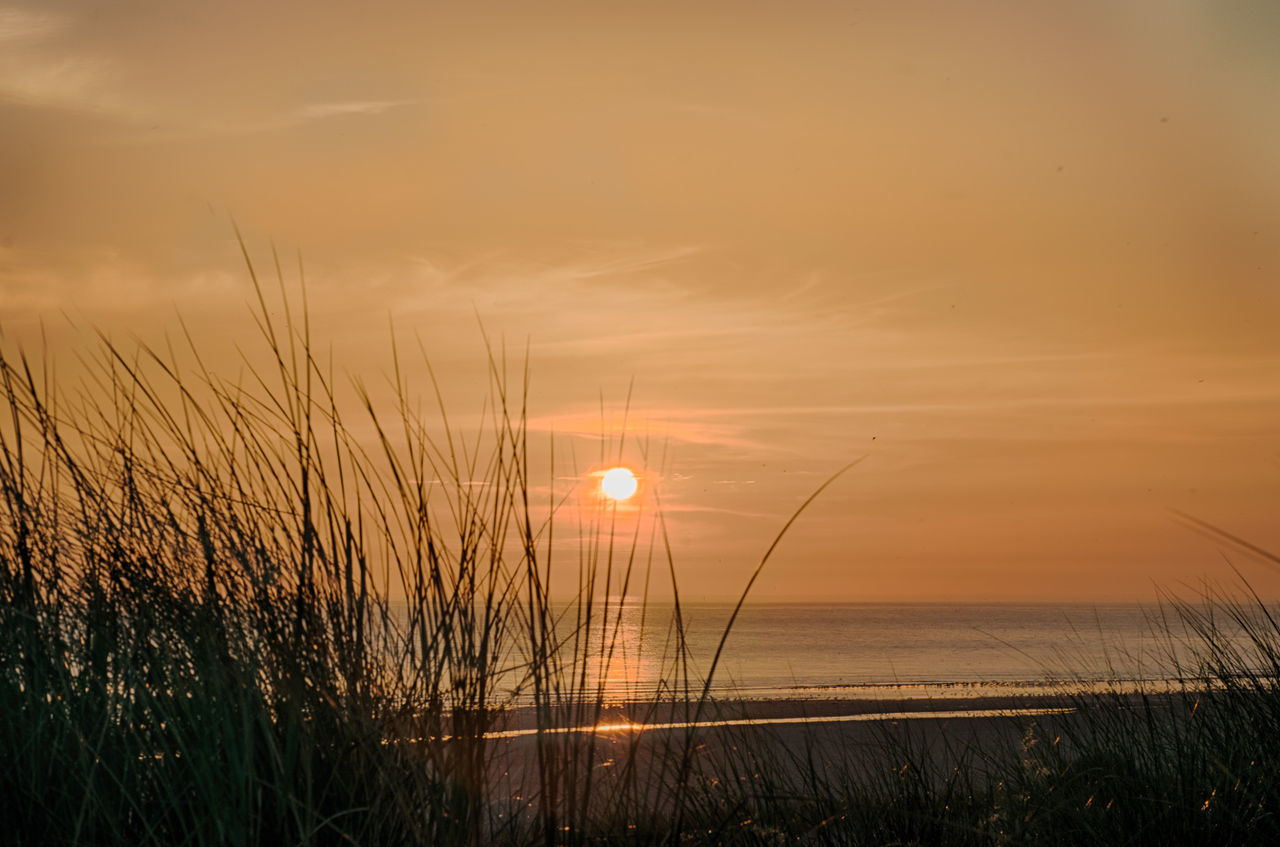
pixel 618 483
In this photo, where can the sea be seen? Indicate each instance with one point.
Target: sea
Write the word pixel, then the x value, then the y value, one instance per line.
pixel 875 650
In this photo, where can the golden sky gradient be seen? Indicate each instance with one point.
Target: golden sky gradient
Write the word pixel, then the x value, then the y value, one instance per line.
pixel 1024 256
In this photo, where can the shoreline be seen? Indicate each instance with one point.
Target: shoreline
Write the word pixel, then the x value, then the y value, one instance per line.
pixel 637 716
pixel 628 727
pixel 822 696
pixel 796 743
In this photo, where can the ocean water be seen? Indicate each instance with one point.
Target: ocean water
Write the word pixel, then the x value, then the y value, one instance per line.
pixel 780 648
pixel 888 650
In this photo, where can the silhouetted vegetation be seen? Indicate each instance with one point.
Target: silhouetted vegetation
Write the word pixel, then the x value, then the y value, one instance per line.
pixel 226 619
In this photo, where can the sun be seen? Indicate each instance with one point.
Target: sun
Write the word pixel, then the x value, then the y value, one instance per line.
pixel 618 483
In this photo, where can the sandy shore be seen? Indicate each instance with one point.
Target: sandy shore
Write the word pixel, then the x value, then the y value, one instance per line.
pixel 646 716
pixel 785 742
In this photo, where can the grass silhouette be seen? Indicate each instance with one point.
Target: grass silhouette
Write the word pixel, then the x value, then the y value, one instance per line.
pixel 227 619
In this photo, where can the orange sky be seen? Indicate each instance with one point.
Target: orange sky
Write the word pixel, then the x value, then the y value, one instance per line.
pixel 1025 257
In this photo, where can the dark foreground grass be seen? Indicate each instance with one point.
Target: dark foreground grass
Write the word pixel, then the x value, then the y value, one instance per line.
pixel 225 619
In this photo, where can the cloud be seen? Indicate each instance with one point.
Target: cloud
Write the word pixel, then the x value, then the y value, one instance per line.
pixel 91 73
pixel 669 509
pixel 37 69
pixel 17 25
pixel 676 425
pixel 346 108
pixel 66 82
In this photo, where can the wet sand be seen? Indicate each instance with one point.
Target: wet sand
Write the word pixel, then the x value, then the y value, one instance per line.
pixel 647 717
pixel 801 743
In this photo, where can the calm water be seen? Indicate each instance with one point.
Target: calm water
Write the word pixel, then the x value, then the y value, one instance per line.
pixel 878 650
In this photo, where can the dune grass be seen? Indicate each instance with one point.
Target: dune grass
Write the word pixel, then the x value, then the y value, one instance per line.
pixel 227 619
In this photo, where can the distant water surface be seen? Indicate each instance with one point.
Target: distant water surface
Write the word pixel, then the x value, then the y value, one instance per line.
pixel 891 650
pixel 782 647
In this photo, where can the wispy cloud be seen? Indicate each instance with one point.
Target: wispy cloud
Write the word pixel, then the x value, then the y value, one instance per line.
pixel 17 25
pixel 32 74
pixel 670 509
pixel 621 259
pixel 40 69
pixel 348 108
pixel 674 425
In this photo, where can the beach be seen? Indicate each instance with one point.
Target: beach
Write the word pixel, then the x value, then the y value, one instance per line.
pixel 793 746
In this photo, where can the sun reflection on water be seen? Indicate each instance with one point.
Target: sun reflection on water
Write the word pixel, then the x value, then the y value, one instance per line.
pixel 619 726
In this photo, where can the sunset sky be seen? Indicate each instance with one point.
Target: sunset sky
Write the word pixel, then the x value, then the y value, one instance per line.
pixel 1022 256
